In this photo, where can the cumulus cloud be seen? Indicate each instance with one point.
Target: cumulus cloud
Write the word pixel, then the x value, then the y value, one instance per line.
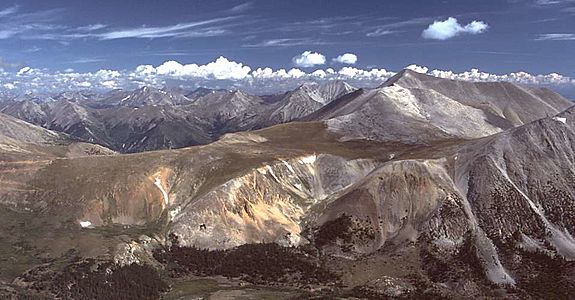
pixel 23 71
pixel 347 58
pixel 443 30
pixel 351 73
pixel 225 73
pixel 516 77
pixel 309 59
pixel 418 69
pixel 9 86
pixel 221 69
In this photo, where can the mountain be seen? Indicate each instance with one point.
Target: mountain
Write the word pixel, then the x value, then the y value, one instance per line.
pixel 153 127
pixel 202 91
pixel 63 116
pixel 125 129
pixel 17 129
pixel 145 96
pixel 165 127
pixel 151 119
pixel 334 89
pixel 27 110
pixel 409 190
pixel 418 108
pixel 79 121
pixel 518 104
pixel 460 215
pixel 79 96
pixel 20 140
pixel 228 111
pixel 305 100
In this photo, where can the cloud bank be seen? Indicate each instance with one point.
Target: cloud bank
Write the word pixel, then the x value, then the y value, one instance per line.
pixel 450 28
pixel 225 73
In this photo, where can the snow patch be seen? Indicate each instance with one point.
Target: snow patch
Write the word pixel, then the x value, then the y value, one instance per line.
pixel 85 224
pixel 559 119
pixel 271 171
pixel 288 166
pixel 307 160
pixel 563 242
pixel 174 212
pixel 530 244
pixel 158 183
pixel 486 250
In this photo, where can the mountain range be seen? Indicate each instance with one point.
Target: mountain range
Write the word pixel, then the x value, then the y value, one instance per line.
pixel 153 119
pixel 420 188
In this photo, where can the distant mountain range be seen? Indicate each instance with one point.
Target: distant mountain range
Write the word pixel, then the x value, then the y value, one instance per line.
pixel 153 119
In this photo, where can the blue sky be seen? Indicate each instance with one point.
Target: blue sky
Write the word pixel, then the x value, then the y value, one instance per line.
pixel 497 37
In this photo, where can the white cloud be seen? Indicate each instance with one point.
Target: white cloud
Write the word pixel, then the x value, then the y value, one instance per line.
pixel 556 37
pixel 309 59
pixel 224 73
pixel 242 7
pixel 24 71
pixel 221 69
pixel 551 2
pixel 9 86
pixel 92 27
pixel 319 73
pixel 443 30
pixel 107 74
pixel 296 73
pixel 84 84
pixel 46 25
pixel 418 69
pixel 351 73
pixel 178 30
pixel 347 58
pixel 516 77
pixel 286 42
pixel 109 84
pixel 379 32
pixel 9 11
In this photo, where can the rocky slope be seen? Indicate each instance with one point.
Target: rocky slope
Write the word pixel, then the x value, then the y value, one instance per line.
pixel 517 104
pixel 145 96
pixel 151 119
pixel 305 100
pixel 417 108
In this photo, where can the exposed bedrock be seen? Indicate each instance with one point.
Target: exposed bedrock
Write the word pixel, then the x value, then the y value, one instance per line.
pixel 266 204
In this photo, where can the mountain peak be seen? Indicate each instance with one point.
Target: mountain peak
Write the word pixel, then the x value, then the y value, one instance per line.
pixel 407 76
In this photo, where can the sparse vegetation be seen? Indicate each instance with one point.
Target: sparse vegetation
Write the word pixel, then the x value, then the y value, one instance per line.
pixel 347 229
pixel 255 263
pixel 89 279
